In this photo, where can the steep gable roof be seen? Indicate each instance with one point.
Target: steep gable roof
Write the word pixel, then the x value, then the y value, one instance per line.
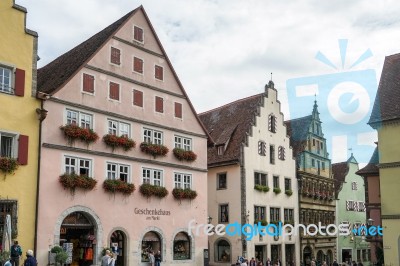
pixel 54 75
pixel 372 167
pixel 229 125
pixel 298 129
pixel 387 101
pixel 339 170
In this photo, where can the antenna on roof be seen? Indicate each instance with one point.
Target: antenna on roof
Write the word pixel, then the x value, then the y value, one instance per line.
pixel 271 76
pixel 270 84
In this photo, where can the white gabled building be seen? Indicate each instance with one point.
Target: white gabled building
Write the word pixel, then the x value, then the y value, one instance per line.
pixel 252 153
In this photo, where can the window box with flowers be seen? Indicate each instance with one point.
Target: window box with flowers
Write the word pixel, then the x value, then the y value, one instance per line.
pixel 182 154
pixel 8 165
pixel 187 193
pixel 73 132
pixel 123 142
pixel 262 222
pixel 261 188
pixel 113 186
pixel 317 195
pixel 277 190
pixel 289 192
pixel 276 222
pixel 149 190
pixel 154 149
pixel 73 181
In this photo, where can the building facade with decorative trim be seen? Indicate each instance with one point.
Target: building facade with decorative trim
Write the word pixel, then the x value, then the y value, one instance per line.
pixel 124 161
pixel 251 179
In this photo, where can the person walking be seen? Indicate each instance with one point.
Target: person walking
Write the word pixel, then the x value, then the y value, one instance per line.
pixel 157 258
pixel 16 252
pixel 105 260
pixel 151 258
pixel 30 259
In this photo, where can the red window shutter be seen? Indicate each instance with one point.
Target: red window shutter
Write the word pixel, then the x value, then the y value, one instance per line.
pixel 19 82
pixel 23 149
pixel 138 65
pixel 178 110
pixel 114 91
pixel 138 34
pixel 159 72
pixel 88 83
pixel 159 105
pixel 115 56
pixel 138 98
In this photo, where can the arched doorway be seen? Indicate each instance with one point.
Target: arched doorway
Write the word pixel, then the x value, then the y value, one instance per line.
pixel 151 242
pixel 182 246
pixel 307 255
pixel 222 251
pixel 118 246
pixel 320 256
pixel 78 237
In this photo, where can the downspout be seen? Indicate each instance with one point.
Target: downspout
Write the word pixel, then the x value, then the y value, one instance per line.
pixel 243 198
pixel 42 113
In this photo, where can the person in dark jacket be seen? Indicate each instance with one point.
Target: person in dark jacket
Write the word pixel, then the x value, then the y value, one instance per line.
pixel 30 259
pixel 157 258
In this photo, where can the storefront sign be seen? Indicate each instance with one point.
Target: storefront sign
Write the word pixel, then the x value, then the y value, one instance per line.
pixel 153 214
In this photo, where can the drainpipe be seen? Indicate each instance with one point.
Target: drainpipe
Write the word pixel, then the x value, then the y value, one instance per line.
pixel 41 113
pixel 243 200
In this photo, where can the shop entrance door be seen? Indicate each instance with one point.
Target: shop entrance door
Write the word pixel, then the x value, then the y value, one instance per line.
pixel 117 244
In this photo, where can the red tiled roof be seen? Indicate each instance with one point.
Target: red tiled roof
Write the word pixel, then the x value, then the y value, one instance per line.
pixel 387 101
pixel 371 168
pixel 230 124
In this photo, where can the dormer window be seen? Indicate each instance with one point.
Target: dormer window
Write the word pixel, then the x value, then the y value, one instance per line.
pixel 220 149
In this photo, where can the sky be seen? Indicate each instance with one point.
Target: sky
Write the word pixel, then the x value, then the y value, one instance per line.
pixel 224 50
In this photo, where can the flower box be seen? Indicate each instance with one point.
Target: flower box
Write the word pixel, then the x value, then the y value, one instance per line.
pixel 277 190
pixel 73 132
pixel 187 193
pixel 261 188
pixel 148 190
pixel 181 155
pixel 289 192
pixel 8 165
pixel 113 186
pixel 153 149
pixel 73 181
pixel 262 222
pixel 123 142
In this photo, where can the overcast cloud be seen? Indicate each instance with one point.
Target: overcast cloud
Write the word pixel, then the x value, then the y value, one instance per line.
pixel 223 50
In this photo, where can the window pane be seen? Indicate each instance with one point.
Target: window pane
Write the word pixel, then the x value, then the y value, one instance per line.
pixel 6 146
pixel 111 171
pixel 178 142
pixel 72 117
pixel 187 144
pixel 86 121
pixel 124 129
pixel 147 135
pixel 146 176
pixel 157 137
pixel 187 181
pixel 178 180
pixel 123 173
pixel 157 178
pixel 112 127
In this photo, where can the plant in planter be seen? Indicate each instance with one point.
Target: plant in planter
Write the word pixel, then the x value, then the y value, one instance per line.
pixel 154 149
pixel 181 155
pixel 261 188
pixel 4 256
pixel 187 193
pixel 73 132
pixel 123 142
pixel 8 165
pixel 148 190
pixel 262 222
pixel 289 192
pixel 73 181
pixel 113 186
pixel 277 190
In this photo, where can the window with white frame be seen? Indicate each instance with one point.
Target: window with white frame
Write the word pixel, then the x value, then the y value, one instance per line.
pixel 152 176
pixel 5 80
pixel 183 143
pixel 119 128
pixel 116 171
pixel 354 185
pixel 183 180
pixel 152 136
pixel 8 145
pixel 76 165
pixel 80 119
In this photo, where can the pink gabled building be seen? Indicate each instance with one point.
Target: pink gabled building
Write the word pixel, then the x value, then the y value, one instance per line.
pixel 120 84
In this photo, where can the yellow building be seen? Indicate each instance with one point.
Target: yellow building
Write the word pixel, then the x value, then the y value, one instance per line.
pixel 19 124
pixel 385 118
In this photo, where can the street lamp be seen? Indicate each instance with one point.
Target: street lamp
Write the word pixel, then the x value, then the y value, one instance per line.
pixel 209 219
pixel 370 221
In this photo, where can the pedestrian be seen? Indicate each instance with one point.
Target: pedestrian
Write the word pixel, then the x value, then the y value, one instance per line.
pixel 30 259
pixel 268 262
pixel 335 263
pixel 16 252
pixel 105 260
pixel 157 258
pixel 252 262
pixel 113 258
pixel 244 262
pixel 151 258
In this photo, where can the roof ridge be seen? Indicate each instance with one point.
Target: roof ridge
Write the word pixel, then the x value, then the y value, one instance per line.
pixel 231 103
pixel 294 119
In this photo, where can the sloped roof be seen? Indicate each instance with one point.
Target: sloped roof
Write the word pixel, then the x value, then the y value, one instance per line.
pixel 371 168
pixel 53 75
pixel 339 171
pixel 231 124
pixel 297 129
pixel 387 101
pixel 58 72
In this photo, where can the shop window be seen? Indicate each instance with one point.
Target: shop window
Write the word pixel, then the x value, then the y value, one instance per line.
pixel 181 246
pixel 117 245
pixel 8 207
pixel 223 251
pixel 151 242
